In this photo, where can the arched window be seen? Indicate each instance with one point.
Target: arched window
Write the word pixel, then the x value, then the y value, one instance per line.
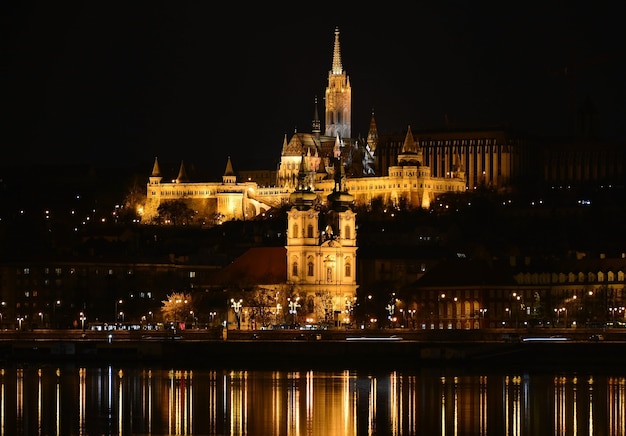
pixel 310 269
pixel 309 231
pixel 347 233
pixel 348 269
pixel 329 275
pixel 294 269
pixel 295 231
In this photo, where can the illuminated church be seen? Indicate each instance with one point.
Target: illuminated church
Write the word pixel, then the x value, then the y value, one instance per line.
pixel 407 180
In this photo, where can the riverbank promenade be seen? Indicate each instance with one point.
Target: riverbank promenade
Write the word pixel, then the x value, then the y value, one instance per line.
pixel 386 348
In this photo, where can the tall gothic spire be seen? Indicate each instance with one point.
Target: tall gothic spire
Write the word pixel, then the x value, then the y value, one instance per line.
pixel 337 68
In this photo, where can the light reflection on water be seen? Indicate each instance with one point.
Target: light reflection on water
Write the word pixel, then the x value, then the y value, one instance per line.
pixel 109 400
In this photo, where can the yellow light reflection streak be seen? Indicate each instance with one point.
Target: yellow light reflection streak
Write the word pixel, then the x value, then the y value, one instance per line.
pixel 2 399
pixel 371 422
pixel 443 406
pixel 277 408
pixel 412 414
pixel 293 401
pixel 345 401
pixel 575 405
pixel 180 401
pixel 39 400
pixel 309 401
pixel 560 409
pixel 483 407
pixel 82 398
pixel 238 403
pixel 394 404
pixel 58 401
pixel 20 395
pixel 120 404
pixel 617 418
pixel 213 391
pixel 590 382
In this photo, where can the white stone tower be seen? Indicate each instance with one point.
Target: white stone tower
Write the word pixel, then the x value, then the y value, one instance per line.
pixel 338 97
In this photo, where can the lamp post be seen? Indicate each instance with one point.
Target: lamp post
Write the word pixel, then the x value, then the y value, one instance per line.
pixel 117 314
pixel 82 321
pixel 278 309
pixel 482 315
pixel 391 309
pixel 293 308
pixel 412 317
pixel 236 305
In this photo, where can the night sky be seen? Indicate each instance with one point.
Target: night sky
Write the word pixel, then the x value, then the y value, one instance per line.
pixel 123 82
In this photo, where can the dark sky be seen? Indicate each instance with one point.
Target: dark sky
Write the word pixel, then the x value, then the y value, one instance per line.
pixel 123 82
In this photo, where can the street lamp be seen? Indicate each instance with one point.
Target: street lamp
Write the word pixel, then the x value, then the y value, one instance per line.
pixel 558 315
pixel 293 308
pixel 278 309
pixel 117 314
pixel 482 315
pixel 391 309
pixel 236 305
pixel 41 318
pixel 82 321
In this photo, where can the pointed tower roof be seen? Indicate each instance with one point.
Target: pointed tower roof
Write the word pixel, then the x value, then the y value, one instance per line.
pixel 156 171
pixel 229 174
pixel 182 174
pixel 229 168
pixel 337 67
pixel 410 153
pixel 372 134
pixel 285 146
pixel 410 144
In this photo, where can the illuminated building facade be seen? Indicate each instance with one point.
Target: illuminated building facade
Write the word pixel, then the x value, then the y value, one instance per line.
pixel 321 263
pixel 407 178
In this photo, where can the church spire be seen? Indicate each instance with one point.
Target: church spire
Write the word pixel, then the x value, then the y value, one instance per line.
pixel 338 97
pixel 337 68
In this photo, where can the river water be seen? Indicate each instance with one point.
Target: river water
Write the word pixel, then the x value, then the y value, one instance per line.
pixel 69 399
